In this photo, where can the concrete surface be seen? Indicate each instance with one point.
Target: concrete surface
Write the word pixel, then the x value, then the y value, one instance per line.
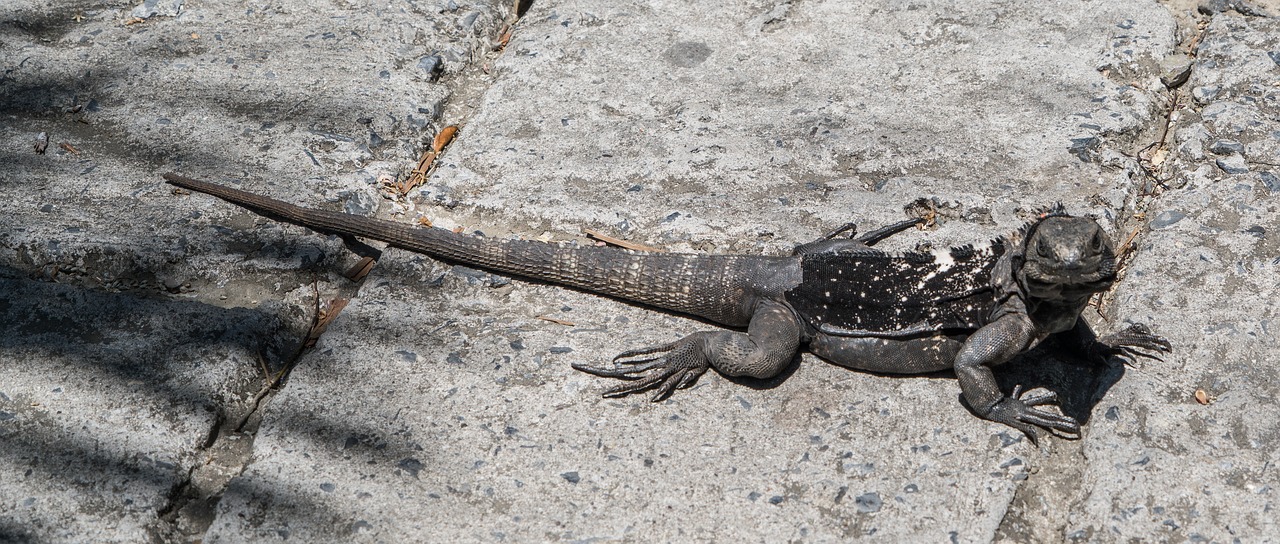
pixel 143 331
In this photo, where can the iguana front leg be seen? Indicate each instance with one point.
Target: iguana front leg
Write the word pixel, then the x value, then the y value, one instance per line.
pixel 1129 343
pixel 995 344
pixel 770 343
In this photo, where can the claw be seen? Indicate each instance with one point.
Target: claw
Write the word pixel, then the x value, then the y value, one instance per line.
pixel 668 386
pixel 644 351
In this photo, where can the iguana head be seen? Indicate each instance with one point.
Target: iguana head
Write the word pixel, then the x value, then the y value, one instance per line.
pixel 1066 258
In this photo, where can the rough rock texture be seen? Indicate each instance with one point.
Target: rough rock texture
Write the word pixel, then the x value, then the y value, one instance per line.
pixel 1169 468
pixel 140 331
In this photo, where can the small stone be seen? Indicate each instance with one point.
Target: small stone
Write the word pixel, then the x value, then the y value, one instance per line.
pixel 1205 94
pixel 148 8
pixel 869 503
pixel 358 203
pixel 1084 148
pixel 433 65
pixel 1007 439
pixel 1167 219
pixel 469 19
pixel 561 349
pixel 1270 181
pixel 1175 70
pixel 410 465
pixel 1226 147
pixel 1233 164
pixel 571 477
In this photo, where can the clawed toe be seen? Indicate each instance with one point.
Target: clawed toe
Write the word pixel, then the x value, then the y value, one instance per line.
pixel 664 368
pixel 1038 398
pixel 1135 342
pixel 1017 411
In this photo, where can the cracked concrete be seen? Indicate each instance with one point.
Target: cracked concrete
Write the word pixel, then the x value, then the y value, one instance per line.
pixel 154 386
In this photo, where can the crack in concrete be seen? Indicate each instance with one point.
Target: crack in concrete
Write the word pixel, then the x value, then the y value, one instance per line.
pixel 1041 506
pixel 191 505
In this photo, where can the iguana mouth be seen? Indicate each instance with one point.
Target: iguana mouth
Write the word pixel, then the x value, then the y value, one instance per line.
pixel 1103 275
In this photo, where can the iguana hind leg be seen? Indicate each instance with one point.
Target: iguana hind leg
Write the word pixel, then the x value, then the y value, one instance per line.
pixel 769 344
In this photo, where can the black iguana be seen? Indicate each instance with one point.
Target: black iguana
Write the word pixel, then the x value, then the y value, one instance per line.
pixel 969 308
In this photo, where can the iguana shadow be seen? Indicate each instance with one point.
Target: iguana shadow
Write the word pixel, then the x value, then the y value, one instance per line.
pixel 1080 385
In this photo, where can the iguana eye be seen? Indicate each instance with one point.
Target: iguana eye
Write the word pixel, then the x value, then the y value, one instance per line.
pixel 1098 241
pixel 1044 250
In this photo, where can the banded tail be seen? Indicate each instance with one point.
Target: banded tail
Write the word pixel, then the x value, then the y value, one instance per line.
pixel 709 286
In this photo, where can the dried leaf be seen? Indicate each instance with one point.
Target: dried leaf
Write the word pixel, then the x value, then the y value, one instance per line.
pixel 361 269
pixel 42 142
pixel 69 148
pixel 327 315
pixel 425 221
pixel 1202 397
pixel 557 321
pixel 443 138
pixel 504 39
pixel 621 243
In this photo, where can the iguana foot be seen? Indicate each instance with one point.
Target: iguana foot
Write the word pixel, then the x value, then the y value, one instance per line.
pixel 1016 410
pixel 1130 343
pixel 665 367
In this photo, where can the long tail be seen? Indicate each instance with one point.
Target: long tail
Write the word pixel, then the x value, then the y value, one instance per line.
pixel 708 286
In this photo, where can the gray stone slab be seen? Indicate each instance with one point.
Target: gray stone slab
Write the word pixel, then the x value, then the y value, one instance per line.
pixel 108 401
pixel 440 407
pixel 680 123
pixel 1162 465
pixel 427 414
pixel 138 328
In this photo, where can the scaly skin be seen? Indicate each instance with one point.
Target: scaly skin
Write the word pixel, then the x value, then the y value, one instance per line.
pixel 968 309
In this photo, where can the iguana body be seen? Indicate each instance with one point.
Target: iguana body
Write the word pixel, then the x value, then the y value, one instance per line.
pixel 968 308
